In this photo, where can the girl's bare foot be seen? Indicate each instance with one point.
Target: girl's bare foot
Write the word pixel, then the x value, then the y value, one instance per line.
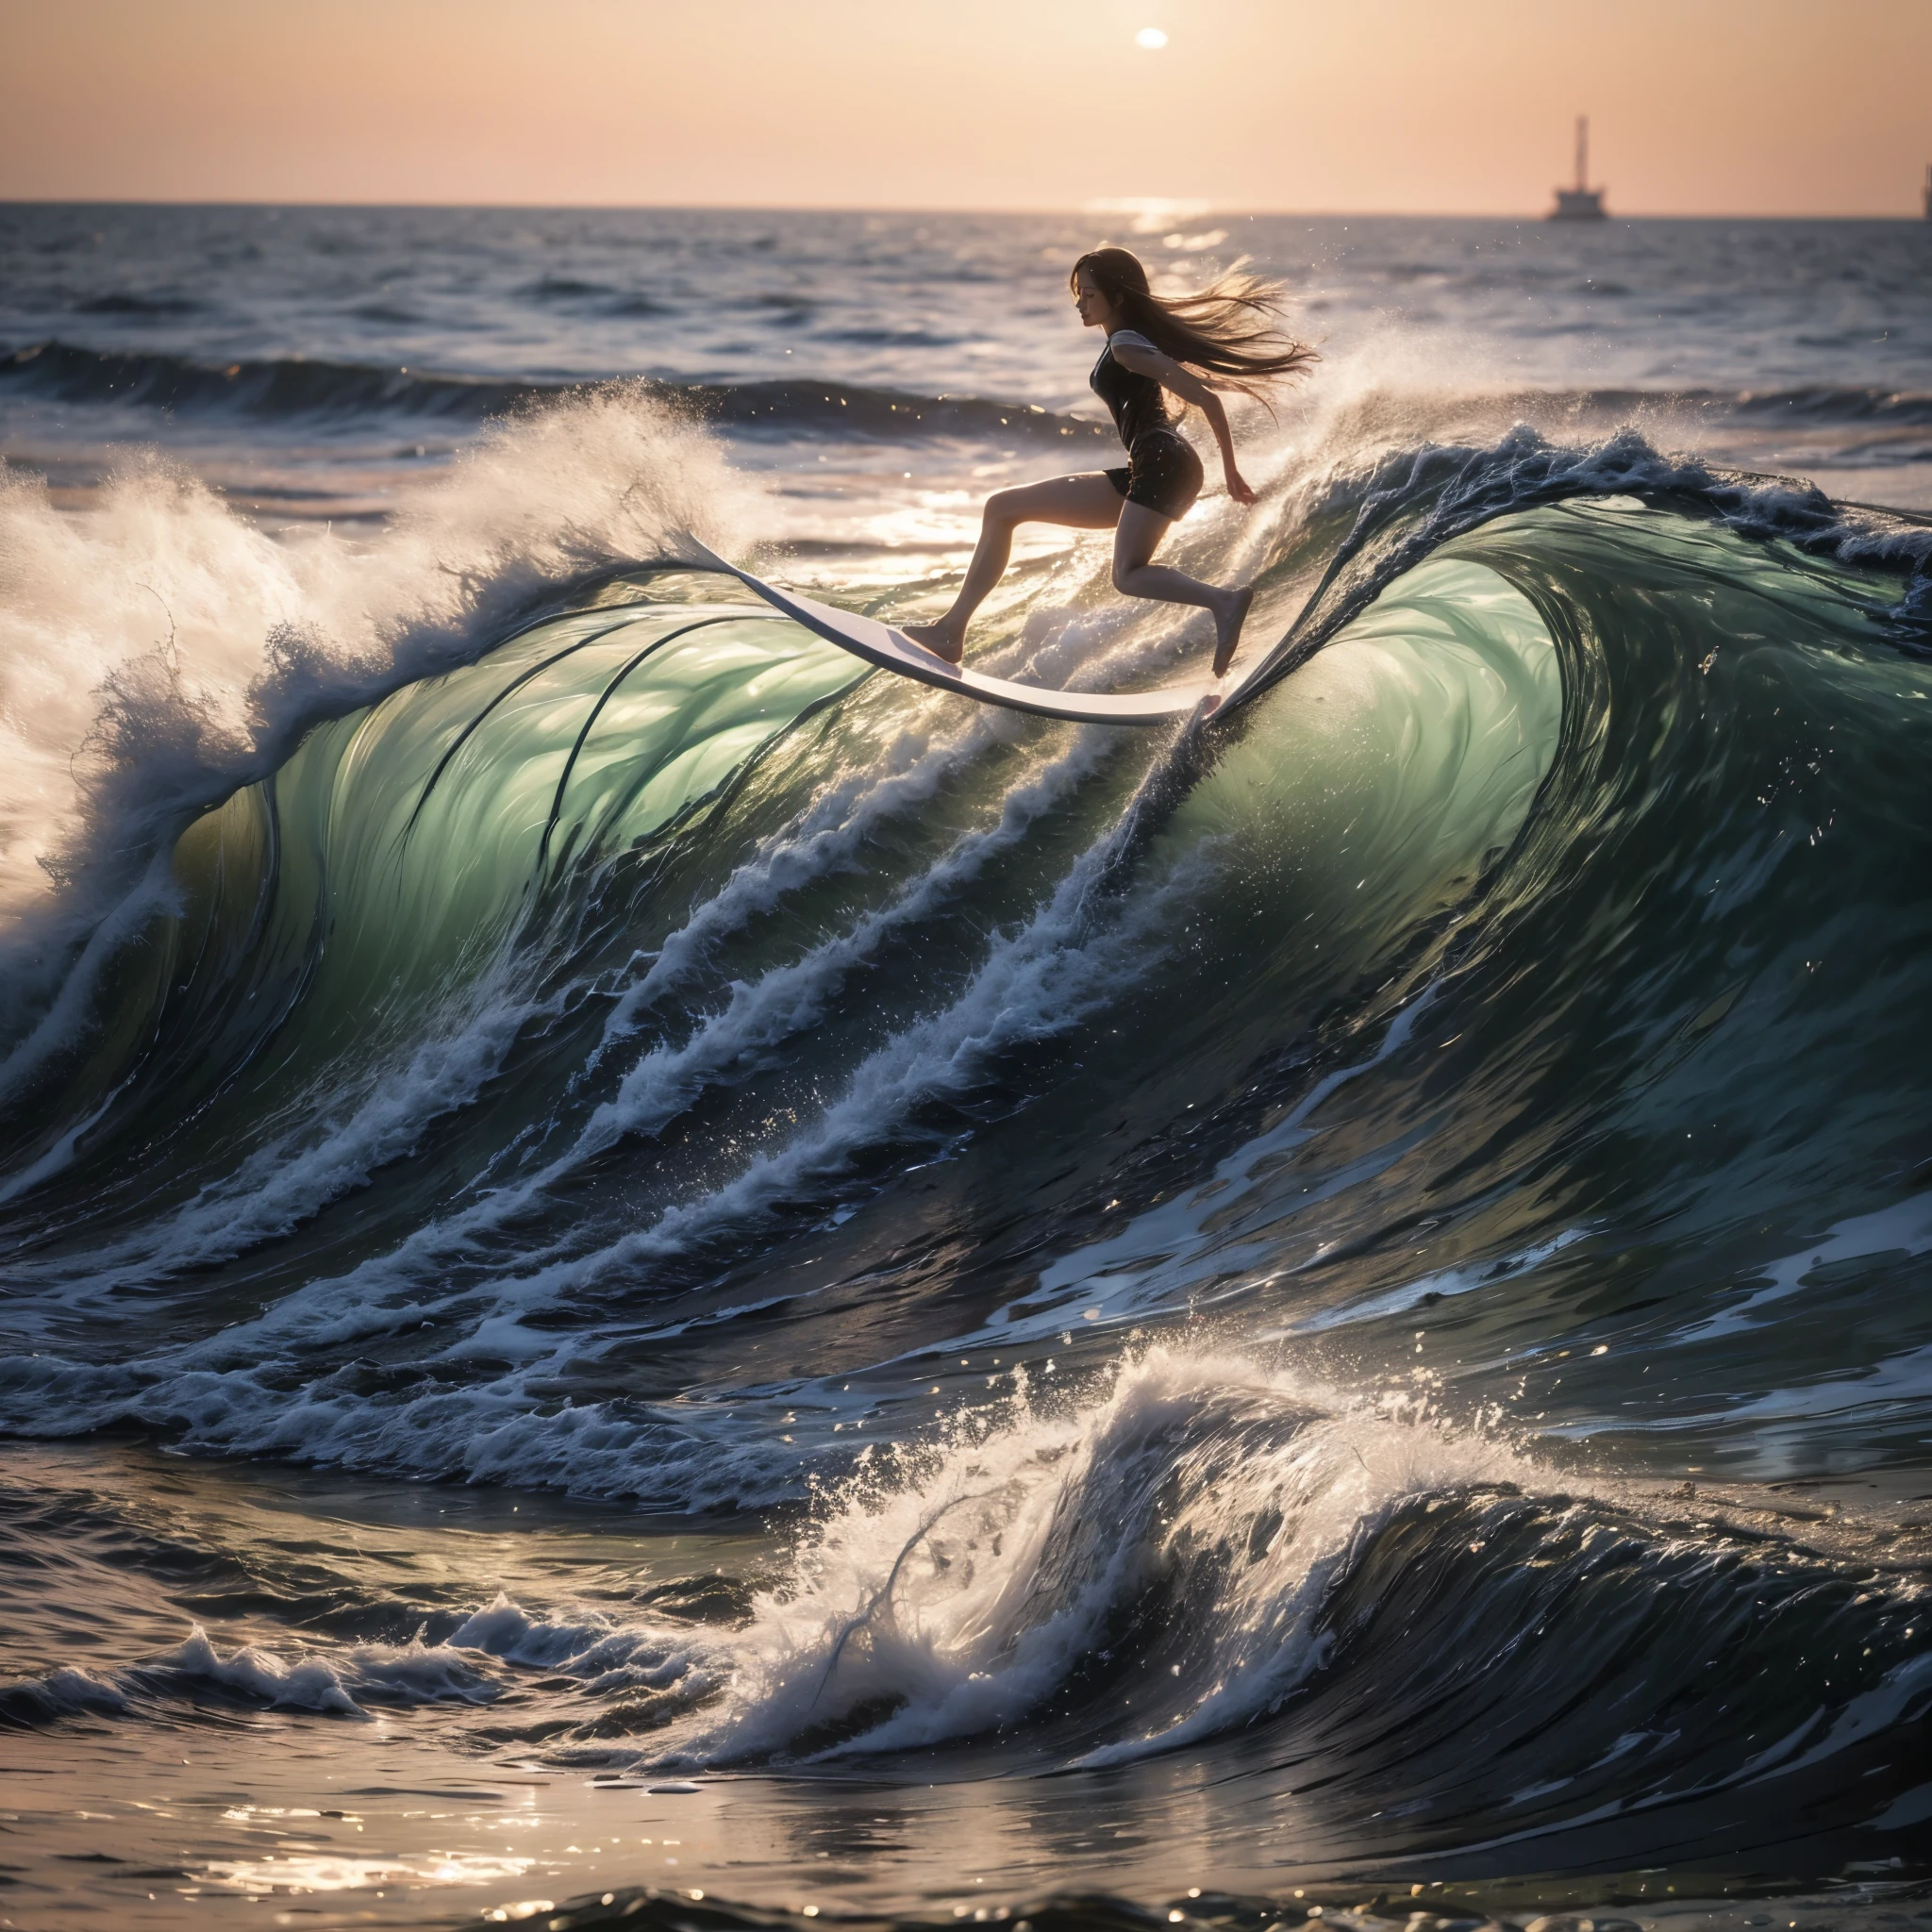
pixel 1228 619
pixel 936 638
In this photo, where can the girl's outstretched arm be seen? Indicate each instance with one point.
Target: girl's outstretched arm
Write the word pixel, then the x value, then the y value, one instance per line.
pixel 1169 374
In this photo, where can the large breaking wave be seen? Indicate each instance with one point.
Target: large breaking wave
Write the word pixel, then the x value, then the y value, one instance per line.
pixel 1210 1233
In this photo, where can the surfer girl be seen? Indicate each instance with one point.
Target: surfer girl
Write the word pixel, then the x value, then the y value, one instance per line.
pixel 1157 346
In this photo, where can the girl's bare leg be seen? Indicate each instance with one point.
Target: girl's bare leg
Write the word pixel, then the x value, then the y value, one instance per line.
pixel 1137 536
pixel 1079 502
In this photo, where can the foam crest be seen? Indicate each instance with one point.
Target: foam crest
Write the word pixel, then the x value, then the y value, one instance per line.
pixel 1034 983
pixel 473 1665
pixel 163 651
pixel 338 1685
pixel 966 1599
pixel 406 1674
pixel 606 1660
pixel 66 1692
pixel 1412 466
pixel 498 1430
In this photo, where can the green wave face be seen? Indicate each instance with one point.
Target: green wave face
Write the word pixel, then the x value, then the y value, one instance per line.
pixel 412 850
pixel 407 847
pixel 502 847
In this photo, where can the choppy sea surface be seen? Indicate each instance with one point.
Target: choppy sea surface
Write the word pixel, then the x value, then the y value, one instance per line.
pixel 649 1278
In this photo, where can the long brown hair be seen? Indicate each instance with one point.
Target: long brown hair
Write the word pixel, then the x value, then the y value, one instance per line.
pixel 1231 328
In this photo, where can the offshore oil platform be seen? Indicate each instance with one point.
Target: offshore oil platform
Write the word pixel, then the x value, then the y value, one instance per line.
pixel 1584 203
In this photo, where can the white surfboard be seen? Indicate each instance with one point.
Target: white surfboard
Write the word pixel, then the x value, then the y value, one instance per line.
pixel 892 650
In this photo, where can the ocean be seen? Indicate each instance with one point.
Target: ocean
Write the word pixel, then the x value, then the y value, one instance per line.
pixel 652 1278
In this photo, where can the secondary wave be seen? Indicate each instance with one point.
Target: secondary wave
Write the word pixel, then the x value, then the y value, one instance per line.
pixel 1242 1573
pixel 298 389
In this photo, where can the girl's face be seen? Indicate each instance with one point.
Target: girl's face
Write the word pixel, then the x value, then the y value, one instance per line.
pixel 1095 310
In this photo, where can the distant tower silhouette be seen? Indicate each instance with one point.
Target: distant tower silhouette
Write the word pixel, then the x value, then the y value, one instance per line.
pixel 1584 203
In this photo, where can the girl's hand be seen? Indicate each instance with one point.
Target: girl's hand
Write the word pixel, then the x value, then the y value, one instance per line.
pixel 1240 488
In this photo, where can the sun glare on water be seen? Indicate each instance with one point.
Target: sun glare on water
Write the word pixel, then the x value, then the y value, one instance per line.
pixel 1149 38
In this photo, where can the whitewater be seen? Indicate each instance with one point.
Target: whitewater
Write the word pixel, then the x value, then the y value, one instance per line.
pixel 652 1276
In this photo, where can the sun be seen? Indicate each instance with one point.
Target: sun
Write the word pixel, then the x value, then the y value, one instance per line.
pixel 1151 38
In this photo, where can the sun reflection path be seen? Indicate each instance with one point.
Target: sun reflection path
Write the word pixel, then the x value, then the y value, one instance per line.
pixel 1149 214
pixel 301 1872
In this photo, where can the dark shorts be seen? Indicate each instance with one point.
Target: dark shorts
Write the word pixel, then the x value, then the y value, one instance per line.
pixel 1162 472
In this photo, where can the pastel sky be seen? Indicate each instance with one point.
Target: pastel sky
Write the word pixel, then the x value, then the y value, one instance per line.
pixel 1697 106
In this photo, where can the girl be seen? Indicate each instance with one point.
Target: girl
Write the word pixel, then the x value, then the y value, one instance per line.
pixel 1154 343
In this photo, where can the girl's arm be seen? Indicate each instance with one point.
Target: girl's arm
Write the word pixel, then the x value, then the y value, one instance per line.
pixel 1169 374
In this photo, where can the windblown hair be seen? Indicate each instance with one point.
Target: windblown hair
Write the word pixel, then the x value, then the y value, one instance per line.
pixel 1231 328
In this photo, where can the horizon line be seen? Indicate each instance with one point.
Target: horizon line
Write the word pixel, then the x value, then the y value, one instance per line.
pixel 1196 210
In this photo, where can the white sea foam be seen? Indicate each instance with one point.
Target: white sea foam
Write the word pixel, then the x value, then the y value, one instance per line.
pixel 341 1683
pixel 471 1666
pixel 281 1183
pixel 828 837
pixel 1114 1573
pixel 607 1660
pixel 1032 984
pixel 962 1600
pixel 161 650
pixel 64 1692
pixel 951 1591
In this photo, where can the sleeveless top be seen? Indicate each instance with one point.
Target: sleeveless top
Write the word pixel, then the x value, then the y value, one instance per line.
pixel 1137 403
